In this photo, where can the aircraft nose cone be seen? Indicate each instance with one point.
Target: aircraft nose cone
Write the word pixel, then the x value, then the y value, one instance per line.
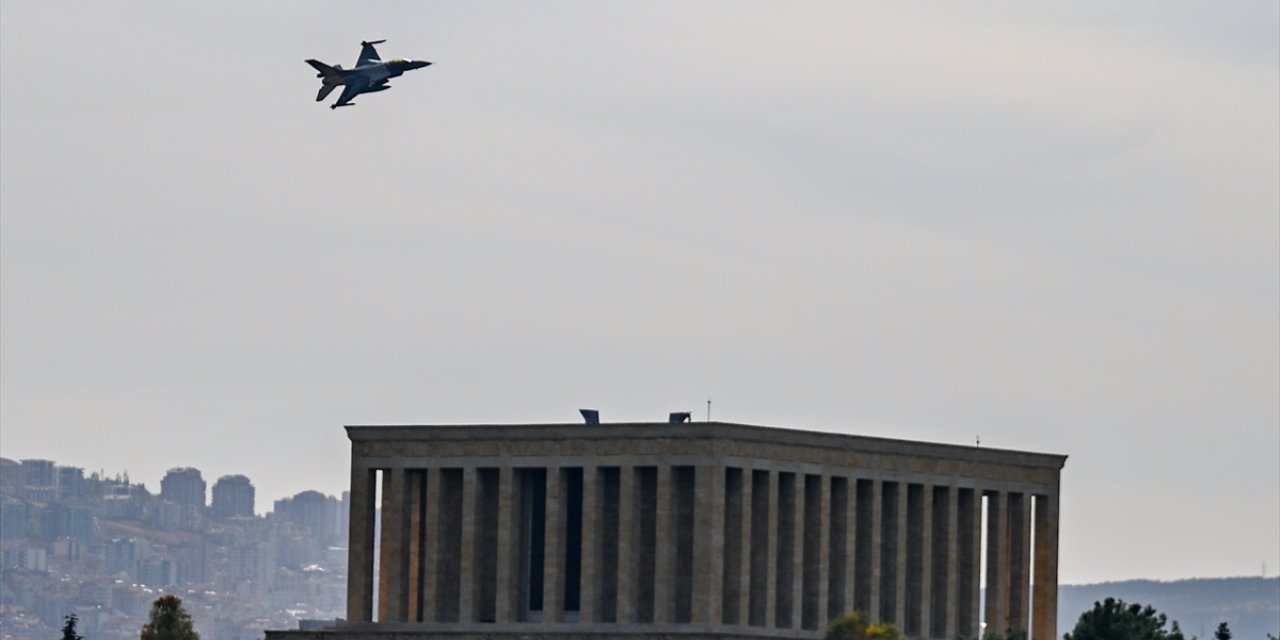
pixel 418 64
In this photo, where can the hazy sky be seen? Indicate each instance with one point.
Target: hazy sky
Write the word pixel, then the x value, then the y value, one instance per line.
pixel 1057 227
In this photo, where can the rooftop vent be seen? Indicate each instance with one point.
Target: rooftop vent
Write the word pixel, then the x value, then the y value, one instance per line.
pixel 677 417
pixel 590 416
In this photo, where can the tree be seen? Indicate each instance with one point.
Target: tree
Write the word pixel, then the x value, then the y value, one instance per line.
pixel 169 621
pixel 69 628
pixel 1112 619
pixel 855 626
pixel 1223 632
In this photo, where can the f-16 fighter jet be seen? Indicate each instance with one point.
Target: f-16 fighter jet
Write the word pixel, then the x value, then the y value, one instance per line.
pixel 370 74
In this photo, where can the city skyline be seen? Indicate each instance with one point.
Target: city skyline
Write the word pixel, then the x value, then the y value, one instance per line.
pixel 1047 228
pixel 101 548
pixel 260 507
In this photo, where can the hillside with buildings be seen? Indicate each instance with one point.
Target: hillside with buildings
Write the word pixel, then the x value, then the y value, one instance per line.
pixel 103 548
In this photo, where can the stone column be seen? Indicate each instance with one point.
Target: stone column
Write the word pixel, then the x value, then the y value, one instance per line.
pixel 628 544
pixel 1045 589
pixel 743 533
pixel 708 544
pixel 796 559
pixel 731 527
pixel 997 614
pixel 756 577
pixel 360 547
pixel 823 553
pixel 509 560
pixel 771 580
pixel 948 567
pixel 850 544
pixel 664 577
pixel 1019 561
pixel 870 582
pixel 431 552
pixel 900 584
pixel 970 575
pixel 554 555
pixel 467 564
pixel 393 579
pixel 892 553
pixel 925 594
pixel 592 515
pixel 416 489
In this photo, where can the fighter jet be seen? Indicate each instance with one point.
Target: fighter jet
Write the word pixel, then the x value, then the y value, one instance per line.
pixel 370 74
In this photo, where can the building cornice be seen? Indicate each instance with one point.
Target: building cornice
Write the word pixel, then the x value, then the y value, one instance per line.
pixel 701 431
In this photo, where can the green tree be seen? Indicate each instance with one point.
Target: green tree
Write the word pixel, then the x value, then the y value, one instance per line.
pixel 169 621
pixel 856 626
pixel 1223 632
pixel 1112 619
pixel 69 628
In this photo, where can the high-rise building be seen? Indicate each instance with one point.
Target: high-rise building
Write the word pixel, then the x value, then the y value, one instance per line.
pixel 123 555
pixel 38 473
pixel 344 525
pixel 10 476
pixel 184 487
pixel 14 515
pixel 320 514
pixel 70 483
pixel 61 520
pixel 232 498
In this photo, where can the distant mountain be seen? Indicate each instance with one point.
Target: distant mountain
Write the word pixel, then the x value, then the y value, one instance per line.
pixel 1250 606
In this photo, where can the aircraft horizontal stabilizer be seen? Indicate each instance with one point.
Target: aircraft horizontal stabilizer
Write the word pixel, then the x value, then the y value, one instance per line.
pixel 324 69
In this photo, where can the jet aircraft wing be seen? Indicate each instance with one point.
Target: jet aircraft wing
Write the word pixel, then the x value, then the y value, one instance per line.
pixel 352 89
pixel 368 54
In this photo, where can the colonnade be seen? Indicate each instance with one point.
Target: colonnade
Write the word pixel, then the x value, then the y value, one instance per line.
pixel 754 544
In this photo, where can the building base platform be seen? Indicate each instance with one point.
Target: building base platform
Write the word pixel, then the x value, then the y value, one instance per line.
pixel 539 631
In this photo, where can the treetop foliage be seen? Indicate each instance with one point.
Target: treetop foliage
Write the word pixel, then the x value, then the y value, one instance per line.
pixel 169 621
pixel 1112 619
pixel 69 628
pixel 1223 632
pixel 856 626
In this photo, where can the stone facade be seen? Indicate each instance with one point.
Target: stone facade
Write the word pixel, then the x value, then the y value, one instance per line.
pixel 695 529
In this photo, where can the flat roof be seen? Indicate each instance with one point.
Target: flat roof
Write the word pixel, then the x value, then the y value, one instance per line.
pixel 700 431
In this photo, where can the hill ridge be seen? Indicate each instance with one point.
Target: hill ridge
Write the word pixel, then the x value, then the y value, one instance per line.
pixel 1249 605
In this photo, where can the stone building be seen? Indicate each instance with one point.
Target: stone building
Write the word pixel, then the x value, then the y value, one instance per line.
pixel 693 529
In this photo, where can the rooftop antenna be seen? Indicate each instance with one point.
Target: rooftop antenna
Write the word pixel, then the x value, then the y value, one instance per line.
pixel 708 409
pixel 977 440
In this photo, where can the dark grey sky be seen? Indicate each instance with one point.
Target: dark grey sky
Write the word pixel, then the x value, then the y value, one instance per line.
pixel 1058 228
